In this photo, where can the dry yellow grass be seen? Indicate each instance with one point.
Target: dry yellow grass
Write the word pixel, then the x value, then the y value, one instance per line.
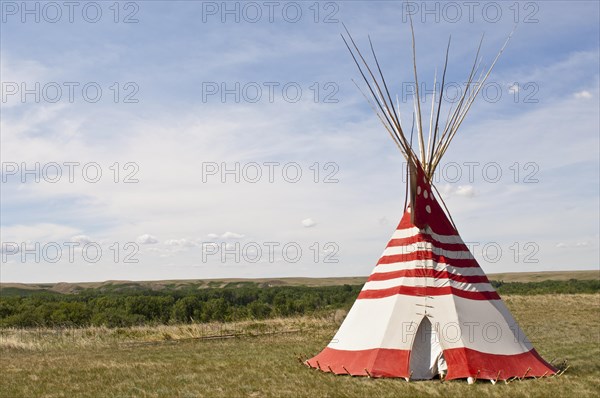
pixel 46 339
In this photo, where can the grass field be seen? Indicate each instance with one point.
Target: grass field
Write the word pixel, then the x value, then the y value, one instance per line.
pixel 259 359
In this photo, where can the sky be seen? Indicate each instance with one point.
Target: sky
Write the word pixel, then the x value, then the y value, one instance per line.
pixel 150 140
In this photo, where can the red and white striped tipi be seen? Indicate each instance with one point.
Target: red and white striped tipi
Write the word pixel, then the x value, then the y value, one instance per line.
pixel 427 308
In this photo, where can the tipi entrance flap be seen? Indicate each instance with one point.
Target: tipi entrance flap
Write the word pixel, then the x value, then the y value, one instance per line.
pixel 426 356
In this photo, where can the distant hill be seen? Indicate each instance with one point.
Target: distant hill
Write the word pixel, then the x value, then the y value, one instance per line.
pixel 9 289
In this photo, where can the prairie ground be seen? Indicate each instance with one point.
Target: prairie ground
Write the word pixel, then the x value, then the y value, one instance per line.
pixel 260 359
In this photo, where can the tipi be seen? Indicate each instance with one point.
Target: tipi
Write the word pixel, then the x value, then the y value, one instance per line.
pixel 427 309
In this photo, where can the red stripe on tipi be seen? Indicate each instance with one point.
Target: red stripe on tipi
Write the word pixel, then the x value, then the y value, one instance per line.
pixel 427 273
pixel 465 362
pixel 379 362
pixel 427 291
pixel 428 255
pixel 462 363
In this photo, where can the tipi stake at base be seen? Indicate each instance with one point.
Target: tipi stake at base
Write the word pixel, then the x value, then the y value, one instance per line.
pixel 494 381
pixel 472 380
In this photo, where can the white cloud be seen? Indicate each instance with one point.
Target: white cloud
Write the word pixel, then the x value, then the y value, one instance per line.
pixel 231 246
pixel 17 72
pixel 467 191
pixel 43 232
pixel 231 235
pixel 213 236
pixel 82 239
pixel 583 95
pixel 577 245
pixel 308 222
pixel 9 247
pixel 183 242
pixel 146 239
pixel 210 247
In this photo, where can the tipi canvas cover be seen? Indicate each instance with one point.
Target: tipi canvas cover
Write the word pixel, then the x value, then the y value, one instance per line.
pixel 427 309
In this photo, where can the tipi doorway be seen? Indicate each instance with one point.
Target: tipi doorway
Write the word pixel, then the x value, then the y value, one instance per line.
pixel 426 356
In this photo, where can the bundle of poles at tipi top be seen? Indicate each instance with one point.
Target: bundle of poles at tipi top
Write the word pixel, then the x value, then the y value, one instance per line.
pixel 438 138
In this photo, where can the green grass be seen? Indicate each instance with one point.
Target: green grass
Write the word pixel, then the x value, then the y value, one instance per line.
pixel 174 361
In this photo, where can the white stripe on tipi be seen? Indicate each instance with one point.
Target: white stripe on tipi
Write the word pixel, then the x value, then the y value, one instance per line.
pixel 410 232
pixel 420 264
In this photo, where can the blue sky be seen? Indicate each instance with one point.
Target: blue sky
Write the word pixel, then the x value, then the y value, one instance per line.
pixel 536 123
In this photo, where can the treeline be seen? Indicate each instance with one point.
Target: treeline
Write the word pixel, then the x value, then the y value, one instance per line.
pixel 571 286
pixel 120 309
pixel 121 306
